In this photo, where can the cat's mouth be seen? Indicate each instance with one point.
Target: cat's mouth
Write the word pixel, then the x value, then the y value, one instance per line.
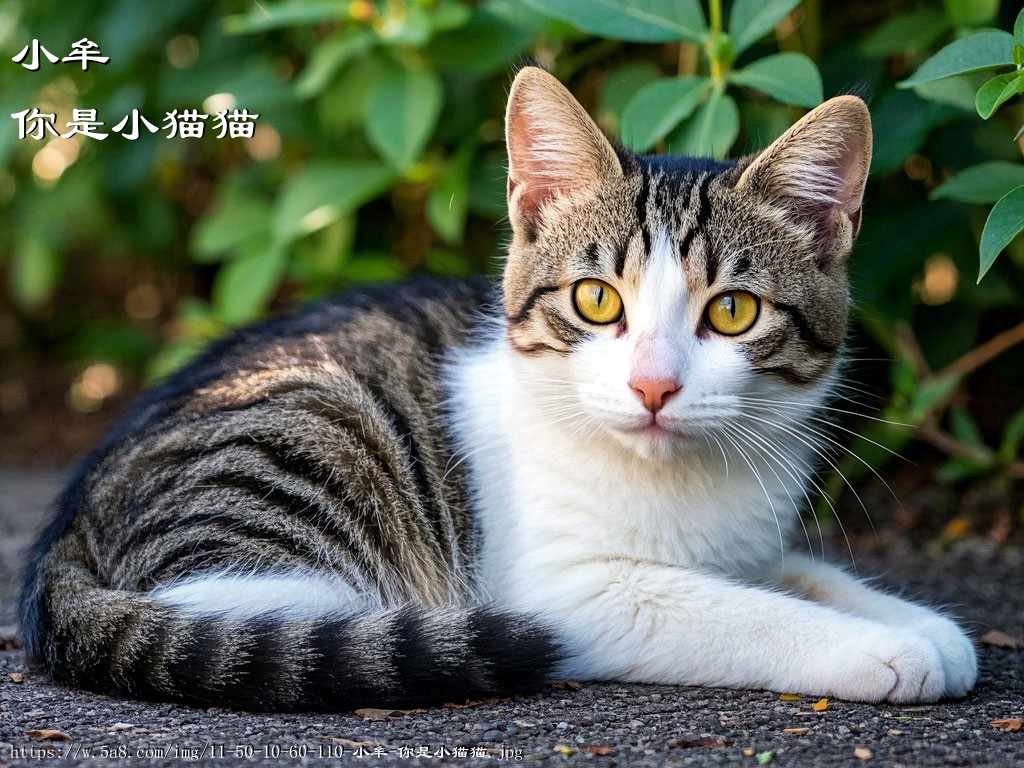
pixel 655 428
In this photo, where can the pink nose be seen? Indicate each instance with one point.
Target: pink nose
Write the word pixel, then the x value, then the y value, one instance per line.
pixel 655 392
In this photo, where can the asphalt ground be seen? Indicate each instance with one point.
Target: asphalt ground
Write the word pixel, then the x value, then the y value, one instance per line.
pixel 596 724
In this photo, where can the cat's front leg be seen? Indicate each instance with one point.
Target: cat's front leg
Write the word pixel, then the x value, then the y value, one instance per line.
pixel 833 586
pixel 643 621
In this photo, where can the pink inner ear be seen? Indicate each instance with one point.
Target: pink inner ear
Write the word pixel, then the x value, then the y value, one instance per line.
pixel 527 168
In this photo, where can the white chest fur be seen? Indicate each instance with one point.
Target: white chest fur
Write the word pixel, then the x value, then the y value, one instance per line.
pixel 547 491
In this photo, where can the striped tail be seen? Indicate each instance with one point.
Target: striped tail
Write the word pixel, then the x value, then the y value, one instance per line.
pixel 126 644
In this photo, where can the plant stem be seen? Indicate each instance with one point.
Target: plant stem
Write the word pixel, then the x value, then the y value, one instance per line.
pixel 716 17
pixel 983 354
pixel 713 49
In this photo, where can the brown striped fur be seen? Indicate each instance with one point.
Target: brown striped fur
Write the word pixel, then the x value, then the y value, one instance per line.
pixel 318 441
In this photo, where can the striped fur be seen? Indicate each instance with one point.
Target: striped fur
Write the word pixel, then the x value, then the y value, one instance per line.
pixel 293 521
pixel 312 443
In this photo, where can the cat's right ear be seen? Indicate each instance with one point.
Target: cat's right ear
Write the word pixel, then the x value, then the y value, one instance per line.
pixel 555 151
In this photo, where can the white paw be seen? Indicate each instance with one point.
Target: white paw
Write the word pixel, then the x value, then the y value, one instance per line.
pixel 885 664
pixel 959 659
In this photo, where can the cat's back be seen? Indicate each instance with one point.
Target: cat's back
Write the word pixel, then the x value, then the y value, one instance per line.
pixel 315 439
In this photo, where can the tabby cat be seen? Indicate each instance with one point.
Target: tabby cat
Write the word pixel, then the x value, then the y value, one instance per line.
pixel 439 490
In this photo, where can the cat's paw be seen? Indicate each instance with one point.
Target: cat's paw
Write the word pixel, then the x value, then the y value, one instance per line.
pixel 890 665
pixel 959 658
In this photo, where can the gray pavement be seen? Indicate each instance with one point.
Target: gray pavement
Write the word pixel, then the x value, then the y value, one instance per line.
pixel 600 724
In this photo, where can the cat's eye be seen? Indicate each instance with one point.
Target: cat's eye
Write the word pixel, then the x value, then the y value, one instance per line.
pixel 733 312
pixel 597 302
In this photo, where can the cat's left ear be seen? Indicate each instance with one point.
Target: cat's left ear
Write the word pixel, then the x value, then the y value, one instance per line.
pixel 816 172
pixel 555 150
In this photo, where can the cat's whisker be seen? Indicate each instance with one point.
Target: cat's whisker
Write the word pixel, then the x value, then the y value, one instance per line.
pixel 794 433
pixel 768 498
pixel 825 436
pixel 753 437
pixel 809 473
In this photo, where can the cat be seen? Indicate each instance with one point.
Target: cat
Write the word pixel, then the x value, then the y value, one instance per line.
pixel 441 489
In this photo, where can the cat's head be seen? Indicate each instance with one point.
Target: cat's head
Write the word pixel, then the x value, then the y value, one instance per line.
pixel 665 299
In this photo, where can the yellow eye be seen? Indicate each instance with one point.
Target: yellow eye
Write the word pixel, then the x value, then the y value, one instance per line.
pixel 597 302
pixel 733 312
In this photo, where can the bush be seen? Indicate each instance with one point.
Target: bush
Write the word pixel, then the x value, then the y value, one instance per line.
pixel 378 152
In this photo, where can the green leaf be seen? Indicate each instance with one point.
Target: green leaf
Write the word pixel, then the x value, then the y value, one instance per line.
pixel 790 78
pixel 963 426
pixel 34 271
pixel 659 107
pixel 330 56
pixel 621 85
pixel 324 191
pixel 750 20
pixel 1013 436
pixel 284 15
pixel 958 91
pixel 236 217
pixel 996 92
pixel 175 355
pixel 913 31
pixel 711 131
pixel 1018 27
pixel 982 50
pixel 1018 54
pixel 927 396
pixel 982 183
pixel 901 122
pixel 1004 223
pixel 485 45
pixel 448 202
pixel 638 21
pixel 408 29
pixel 373 267
pixel 244 286
pixel 402 113
pixel 971 13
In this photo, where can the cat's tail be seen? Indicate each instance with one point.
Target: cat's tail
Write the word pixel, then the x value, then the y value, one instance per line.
pixel 299 657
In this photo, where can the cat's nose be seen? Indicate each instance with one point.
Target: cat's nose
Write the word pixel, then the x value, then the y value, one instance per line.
pixel 654 392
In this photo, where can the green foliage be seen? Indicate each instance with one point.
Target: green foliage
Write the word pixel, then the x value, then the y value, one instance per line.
pixel 691 113
pixel 379 152
pixel 984 51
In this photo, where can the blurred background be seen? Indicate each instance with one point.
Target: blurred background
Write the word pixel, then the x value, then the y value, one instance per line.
pixel 378 152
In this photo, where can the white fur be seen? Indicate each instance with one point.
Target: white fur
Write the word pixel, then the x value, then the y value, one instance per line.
pixel 662 558
pixel 289 594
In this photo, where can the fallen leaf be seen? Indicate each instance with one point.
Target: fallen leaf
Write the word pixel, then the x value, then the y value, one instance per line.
pixel 17 677
pixel 957 528
pixel 564 749
pixel 894 732
pixel 789 697
pixel 468 704
pixel 369 713
pixel 863 753
pixel 9 639
pixel 353 744
pixel 48 734
pixel 763 758
pixel 748 752
pixel 707 741
pixel 1000 640
pixel 796 731
pixel 600 750
pixel 1010 724
pixel 820 705
pixel 567 685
